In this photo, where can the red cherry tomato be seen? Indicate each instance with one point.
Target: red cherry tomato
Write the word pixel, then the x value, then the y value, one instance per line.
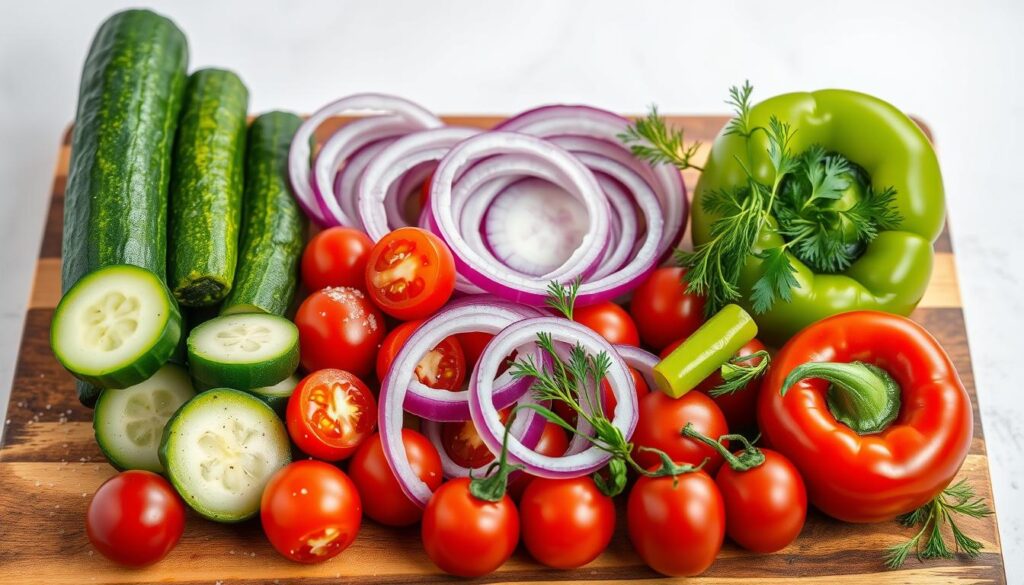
pixel 330 413
pixel 608 397
pixel 677 525
pixel 473 345
pixel 382 497
pixel 662 419
pixel 765 507
pixel 552 443
pixel 410 273
pixel 336 257
pixel 310 511
pixel 443 367
pixel 566 523
pixel 609 321
pixel 135 518
pixel 663 310
pixel 339 328
pixel 739 407
pixel 462 443
pixel 466 536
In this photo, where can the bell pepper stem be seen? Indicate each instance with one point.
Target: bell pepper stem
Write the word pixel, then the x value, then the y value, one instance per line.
pixel 862 396
pixel 749 458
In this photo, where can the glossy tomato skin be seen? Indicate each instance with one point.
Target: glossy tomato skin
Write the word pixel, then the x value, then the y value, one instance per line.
pixel 765 507
pixel 330 413
pixel 339 328
pixel 662 419
pixel 382 497
pixel 740 407
pixel 135 518
pixel 336 257
pixel 663 310
pixel 608 397
pixel 466 536
pixel 310 511
pixel 609 321
pixel 473 345
pixel 410 273
pixel 676 525
pixel 443 367
pixel 553 442
pixel 566 523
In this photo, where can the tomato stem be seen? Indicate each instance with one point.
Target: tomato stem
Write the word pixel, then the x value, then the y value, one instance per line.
pixel 493 486
pixel 862 396
pixel 749 458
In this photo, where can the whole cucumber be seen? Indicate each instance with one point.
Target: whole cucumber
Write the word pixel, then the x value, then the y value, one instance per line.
pixel 115 203
pixel 272 223
pixel 206 188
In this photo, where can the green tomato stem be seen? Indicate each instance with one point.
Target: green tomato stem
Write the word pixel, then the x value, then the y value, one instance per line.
pixel 862 396
pixel 747 459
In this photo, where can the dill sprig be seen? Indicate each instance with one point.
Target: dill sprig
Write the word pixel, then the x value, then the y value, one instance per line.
pixel 741 370
pixel 929 542
pixel 562 298
pixel 651 139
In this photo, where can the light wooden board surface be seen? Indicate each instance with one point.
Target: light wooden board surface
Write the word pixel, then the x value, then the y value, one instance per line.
pixel 50 466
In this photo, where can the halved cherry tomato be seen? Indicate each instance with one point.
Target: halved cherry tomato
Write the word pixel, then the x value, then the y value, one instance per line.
pixel 336 257
pixel 410 273
pixel 310 511
pixel 382 497
pixel 566 523
pixel 609 321
pixel 552 443
pixel 677 525
pixel 443 367
pixel 339 328
pixel 663 310
pixel 467 536
pixel 662 419
pixel 330 413
pixel 135 518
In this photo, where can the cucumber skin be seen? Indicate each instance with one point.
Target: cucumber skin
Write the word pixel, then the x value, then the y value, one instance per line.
pixel 206 187
pixel 115 203
pixel 278 403
pixel 243 376
pixel 273 226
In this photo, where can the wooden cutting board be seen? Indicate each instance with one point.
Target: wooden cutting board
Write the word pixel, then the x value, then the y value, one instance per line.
pixel 50 466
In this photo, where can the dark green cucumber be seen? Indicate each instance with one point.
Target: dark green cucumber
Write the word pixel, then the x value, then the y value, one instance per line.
pixel 115 203
pixel 206 188
pixel 272 223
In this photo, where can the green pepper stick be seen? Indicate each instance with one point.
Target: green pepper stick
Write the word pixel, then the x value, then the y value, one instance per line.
pixel 710 346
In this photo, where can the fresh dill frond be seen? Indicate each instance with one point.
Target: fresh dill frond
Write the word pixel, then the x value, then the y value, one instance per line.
pixel 651 139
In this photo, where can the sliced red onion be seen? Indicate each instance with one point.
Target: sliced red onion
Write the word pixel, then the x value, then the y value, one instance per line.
pixel 520 155
pixel 527 427
pixel 640 360
pixel 392 163
pixel 299 153
pixel 397 200
pixel 488 421
pixel 347 180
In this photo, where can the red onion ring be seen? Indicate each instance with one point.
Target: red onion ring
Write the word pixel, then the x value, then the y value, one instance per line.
pixel 488 422
pixel 640 360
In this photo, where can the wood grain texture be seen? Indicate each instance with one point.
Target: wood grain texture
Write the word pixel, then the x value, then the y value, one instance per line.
pixel 50 466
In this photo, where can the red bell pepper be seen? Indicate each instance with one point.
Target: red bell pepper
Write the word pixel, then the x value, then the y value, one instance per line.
pixel 870 409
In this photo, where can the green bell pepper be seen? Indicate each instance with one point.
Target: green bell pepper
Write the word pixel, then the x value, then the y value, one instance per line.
pixel 893 271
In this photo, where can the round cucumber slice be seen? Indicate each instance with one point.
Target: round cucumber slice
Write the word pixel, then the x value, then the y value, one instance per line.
pixel 220 449
pixel 115 327
pixel 129 422
pixel 244 350
pixel 275 396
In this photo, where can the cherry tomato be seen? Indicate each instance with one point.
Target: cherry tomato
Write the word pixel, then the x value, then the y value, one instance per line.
pixel 443 367
pixel 463 444
pixel 677 525
pixel 330 413
pixel 663 310
pixel 765 507
pixel 473 345
pixel 467 536
pixel 382 497
pixel 339 328
pixel 662 419
pixel 410 273
pixel 310 511
pixel 609 321
pixel 608 397
pixel 552 443
pixel 336 257
pixel 135 518
pixel 739 407
pixel 566 523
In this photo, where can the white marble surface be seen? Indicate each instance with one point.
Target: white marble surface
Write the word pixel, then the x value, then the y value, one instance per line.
pixel 955 64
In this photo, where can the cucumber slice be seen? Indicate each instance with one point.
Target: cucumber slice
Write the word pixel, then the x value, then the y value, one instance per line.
pixel 116 327
pixel 220 449
pixel 129 423
pixel 244 351
pixel 275 396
